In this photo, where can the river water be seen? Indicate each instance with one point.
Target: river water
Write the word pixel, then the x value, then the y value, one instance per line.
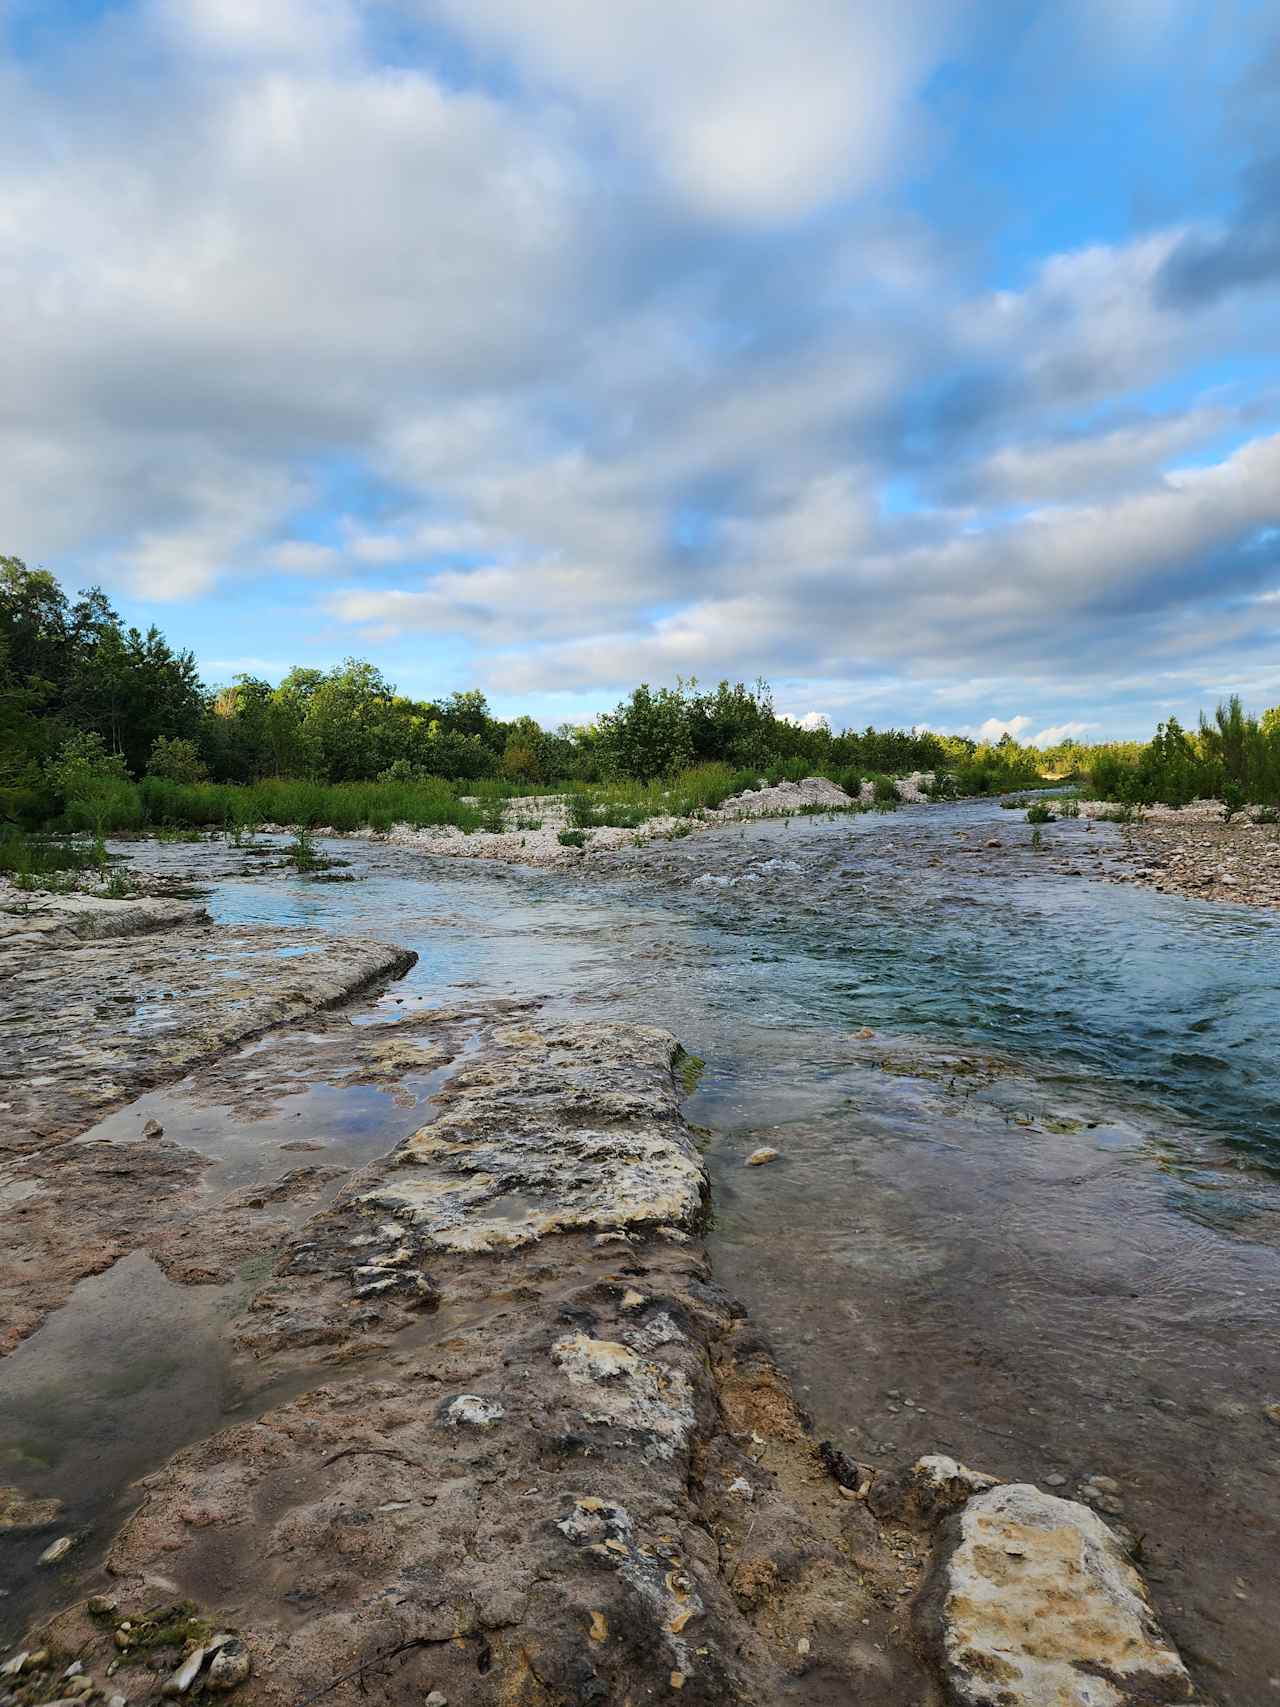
pixel 1032 1219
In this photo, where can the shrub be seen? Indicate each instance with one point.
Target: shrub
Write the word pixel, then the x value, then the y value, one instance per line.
pixel 176 760
pixel 1039 813
pixel 572 838
pixel 82 764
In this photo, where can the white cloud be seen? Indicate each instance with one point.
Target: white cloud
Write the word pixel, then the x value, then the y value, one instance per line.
pixel 599 429
pixel 753 109
pixel 303 557
pixel 1062 732
pixel 996 727
pixel 1086 465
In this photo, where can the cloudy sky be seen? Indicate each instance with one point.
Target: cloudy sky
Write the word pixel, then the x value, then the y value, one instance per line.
pixel 919 355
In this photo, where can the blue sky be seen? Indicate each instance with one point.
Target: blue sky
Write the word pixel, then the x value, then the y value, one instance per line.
pixel 922 357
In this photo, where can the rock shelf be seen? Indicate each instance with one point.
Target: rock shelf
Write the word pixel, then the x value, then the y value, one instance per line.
pixel 549 1462
pixel 103 999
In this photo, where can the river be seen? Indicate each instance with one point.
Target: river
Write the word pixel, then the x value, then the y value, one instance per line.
pixel 1027 1203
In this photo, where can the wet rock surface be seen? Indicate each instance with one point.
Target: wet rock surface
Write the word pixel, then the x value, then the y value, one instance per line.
pixel 389 1343
pixel 1035 1603
pixel 88 1023
pixel 563 1467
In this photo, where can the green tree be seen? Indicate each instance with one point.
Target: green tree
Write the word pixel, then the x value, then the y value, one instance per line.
pixel 176 760
pixel 648 735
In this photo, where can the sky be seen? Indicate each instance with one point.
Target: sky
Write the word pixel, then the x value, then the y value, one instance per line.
pixel 921 356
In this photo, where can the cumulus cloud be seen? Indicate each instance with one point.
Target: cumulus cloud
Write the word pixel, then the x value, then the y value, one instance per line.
pixel 1062 732
pixel 754 109
pixel 995 728
pixel 596 357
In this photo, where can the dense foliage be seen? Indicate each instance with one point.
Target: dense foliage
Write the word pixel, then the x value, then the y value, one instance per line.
pixel 1232 757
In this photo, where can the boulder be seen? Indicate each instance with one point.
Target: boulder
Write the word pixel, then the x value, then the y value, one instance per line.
pixel 1034 1603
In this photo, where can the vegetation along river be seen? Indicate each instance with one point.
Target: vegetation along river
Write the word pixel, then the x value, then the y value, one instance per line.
pixel 1026 1209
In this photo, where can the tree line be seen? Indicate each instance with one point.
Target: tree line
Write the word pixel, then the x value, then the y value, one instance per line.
pixel 82 693
pixel 87 700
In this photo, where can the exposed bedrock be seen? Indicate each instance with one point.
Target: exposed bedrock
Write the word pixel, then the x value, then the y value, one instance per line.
pixel 553 1465
pixel 102 1000
pixel 550 1463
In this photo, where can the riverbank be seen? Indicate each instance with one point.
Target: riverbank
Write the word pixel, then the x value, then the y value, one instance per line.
pixel 540 1458
pixel 1019 1289
pixel 543 831
pixel 1199 852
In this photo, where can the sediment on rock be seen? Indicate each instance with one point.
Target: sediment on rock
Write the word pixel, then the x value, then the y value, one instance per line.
pixel 571 1472
pixel 549 1462
pixel 90 1023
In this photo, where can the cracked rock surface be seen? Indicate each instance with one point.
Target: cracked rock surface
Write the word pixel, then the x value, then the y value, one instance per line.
pixel 527 1487
pixel 86 1023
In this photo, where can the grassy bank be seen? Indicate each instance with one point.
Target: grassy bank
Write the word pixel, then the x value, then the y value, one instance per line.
pixel 154 804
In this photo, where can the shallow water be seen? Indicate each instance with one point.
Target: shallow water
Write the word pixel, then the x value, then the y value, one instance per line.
pixel 1041 1202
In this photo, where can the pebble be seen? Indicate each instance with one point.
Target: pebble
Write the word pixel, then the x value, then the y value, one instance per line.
pixel 153 1129
pixel 435 1699
pixel 185 1675
pixel 56 1551
pixel 1056 1481
pixel 758 1158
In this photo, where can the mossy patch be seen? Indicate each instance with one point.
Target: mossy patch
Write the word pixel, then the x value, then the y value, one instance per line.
pixel 178 1625
pixel 688 1070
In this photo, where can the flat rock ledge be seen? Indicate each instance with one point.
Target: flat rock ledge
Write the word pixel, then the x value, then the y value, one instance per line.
pixel 549 1463
pixel 101 1000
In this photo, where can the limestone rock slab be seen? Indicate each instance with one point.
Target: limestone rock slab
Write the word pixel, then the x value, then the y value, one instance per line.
pixel 1036 1604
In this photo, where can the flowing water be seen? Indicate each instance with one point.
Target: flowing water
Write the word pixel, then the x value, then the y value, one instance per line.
pixel 1031 1220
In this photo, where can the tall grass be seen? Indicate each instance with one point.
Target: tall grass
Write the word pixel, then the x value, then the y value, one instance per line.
pixel 236 807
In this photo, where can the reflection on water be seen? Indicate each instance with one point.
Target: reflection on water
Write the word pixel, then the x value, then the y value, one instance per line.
pixel 1032 1220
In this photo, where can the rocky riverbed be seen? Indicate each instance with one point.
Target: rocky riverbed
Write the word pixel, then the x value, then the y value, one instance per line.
pixel 547 1461
pixel 502 1439
pixel 1201 853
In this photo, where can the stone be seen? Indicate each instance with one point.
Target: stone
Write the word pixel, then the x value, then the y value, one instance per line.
pixel 230 1665
pixel 1272 1414
pixel 473 1410
pixel 759 1158
pixel 24 1511
pixel 932 1488
pixel 185 1675
pixel 153 1129
pixel 56 1551
pixel 1033 1603
pixel 436 1699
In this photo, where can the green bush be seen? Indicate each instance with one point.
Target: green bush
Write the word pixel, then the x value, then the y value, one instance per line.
pixel 572 838
pixel 176 760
